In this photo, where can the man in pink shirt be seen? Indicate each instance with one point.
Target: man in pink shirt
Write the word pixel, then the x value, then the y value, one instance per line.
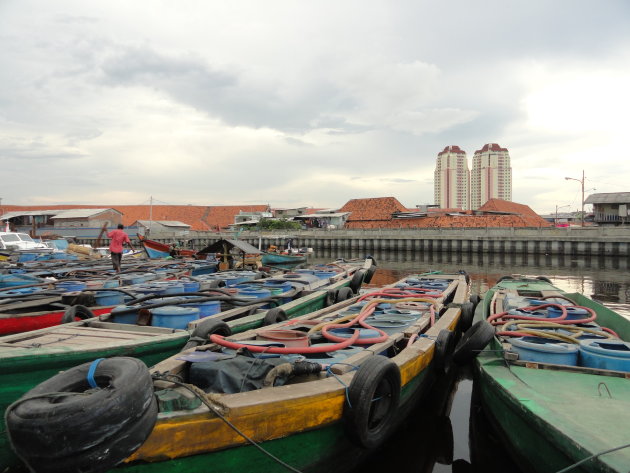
pixel 118 238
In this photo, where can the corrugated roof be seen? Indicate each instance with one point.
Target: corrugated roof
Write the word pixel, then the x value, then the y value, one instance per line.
pixel 24 213
pixel 336 214
pixel 609 198
pixel 80 213
pixel 164 223
pixel 217 247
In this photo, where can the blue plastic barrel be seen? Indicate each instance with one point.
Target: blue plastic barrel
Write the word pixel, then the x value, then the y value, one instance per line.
pixel 545 350
pixel 174 316
pixel 205 308
pixel 605 354
pixel 109 297
pixel 325 274
pixel 128 318
pixel 191 286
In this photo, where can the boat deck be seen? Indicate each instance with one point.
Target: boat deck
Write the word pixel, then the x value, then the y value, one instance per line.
pixel 91 333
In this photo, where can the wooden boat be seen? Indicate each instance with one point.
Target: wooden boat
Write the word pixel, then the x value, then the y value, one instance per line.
pixel 155 249
pixel 29 358
pixel 320 405
pixel 37 300
pixel 553 379
pixel 283 258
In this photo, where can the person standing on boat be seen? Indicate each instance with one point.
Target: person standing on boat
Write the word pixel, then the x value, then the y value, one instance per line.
pixel 118 238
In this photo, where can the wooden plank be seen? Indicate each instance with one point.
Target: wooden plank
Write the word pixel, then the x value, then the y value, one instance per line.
pixel 29 304
pixel 147 330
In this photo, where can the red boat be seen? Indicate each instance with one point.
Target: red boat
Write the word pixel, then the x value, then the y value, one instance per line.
pixel 155 249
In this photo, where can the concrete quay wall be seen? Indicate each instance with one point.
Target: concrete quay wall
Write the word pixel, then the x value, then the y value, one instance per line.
pixel 589 241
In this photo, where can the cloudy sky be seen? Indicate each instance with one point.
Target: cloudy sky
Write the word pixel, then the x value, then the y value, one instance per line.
pixel 297 103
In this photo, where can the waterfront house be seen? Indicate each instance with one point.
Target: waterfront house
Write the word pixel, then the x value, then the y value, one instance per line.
pixel 610 208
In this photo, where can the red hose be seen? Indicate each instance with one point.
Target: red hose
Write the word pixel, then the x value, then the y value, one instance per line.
pixel 220 340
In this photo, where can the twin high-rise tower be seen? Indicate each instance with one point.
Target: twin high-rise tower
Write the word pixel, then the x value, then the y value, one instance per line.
pixel 490 177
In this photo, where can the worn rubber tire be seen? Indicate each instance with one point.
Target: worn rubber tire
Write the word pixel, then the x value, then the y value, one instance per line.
pixel 274 316
pixel 443 349
pixel 369 422
pixel 369 274
pixel 473 341
pixel 331 296
pixel 357 280
pixel 102 457
pixel 343 294
pixel 466 317
pixel 544 278
pixel 203 331
pixel 76 312
pixel 504 278
pixel 96 417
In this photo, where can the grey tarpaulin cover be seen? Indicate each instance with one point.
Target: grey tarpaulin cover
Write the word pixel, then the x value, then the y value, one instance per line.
pixel 234 375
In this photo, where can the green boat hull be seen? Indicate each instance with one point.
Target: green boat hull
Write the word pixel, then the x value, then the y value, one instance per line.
pixel 19 375
pixel 554 417
pixel 324 449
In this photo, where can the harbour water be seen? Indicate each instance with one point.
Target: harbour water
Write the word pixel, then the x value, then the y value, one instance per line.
pixel 448 433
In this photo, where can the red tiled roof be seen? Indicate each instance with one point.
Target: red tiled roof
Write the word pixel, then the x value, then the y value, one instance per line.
pixel 457 221
pixel 374 209
pixel 199 217
pixel 499 205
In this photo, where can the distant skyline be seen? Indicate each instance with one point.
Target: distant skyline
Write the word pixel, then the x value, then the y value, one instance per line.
pixel 307 103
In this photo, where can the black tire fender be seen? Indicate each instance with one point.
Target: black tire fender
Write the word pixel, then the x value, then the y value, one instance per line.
pixel 369 274
pixel 357 280
pixel 274 316
pixel 331 297
pixel 466 317
pixel 373 397
pixel 76 312
pixel 343 294
pixel 544 278
pixel 116 420
pixel 105 456
pixel 504 278
pixel 443 349
pixel 473 341
pixel 202 332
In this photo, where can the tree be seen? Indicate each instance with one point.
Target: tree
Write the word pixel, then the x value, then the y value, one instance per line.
pixel 281 224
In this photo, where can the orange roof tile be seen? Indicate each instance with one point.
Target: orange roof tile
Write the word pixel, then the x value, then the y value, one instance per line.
pixel 373 209
pixel 499 205
pixel 456 221
pixel 199 217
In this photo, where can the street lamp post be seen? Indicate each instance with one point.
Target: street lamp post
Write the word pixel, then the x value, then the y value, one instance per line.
pixel 581 181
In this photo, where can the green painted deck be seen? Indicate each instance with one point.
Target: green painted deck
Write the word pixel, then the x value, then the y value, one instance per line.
pixel 552 418
pixel 571 413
